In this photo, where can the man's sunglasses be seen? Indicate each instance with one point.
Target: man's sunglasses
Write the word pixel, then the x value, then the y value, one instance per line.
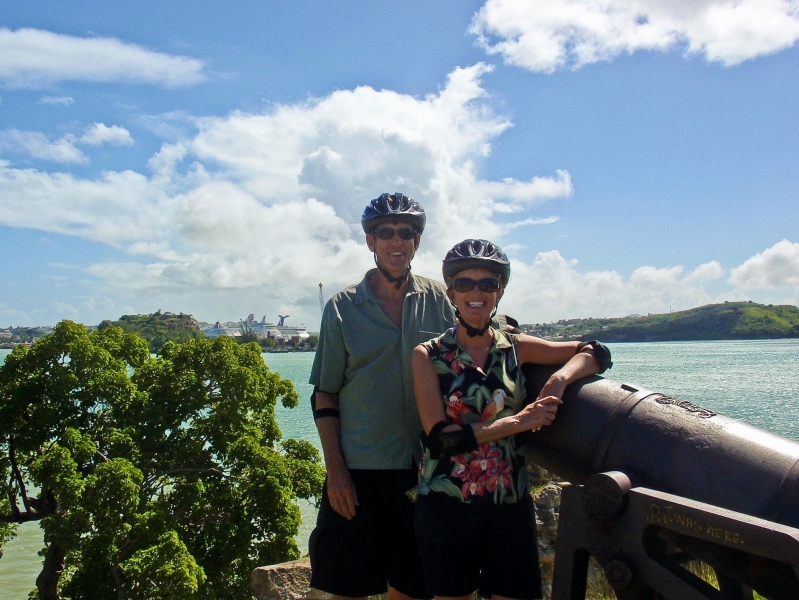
pixel 387 233
pixel 464 284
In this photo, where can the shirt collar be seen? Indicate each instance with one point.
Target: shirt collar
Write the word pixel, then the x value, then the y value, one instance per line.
pixel 363 290
pixel 501 342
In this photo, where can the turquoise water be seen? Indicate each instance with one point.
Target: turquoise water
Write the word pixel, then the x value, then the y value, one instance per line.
pixel 755 381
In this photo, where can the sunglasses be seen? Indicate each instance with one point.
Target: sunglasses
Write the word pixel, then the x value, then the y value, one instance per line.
pixel 464 284
pixel 387 233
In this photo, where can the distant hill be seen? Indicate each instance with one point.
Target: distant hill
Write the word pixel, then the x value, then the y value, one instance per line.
pixel 728 321
pixel 158 328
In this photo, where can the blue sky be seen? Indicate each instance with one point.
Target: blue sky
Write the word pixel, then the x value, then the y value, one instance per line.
pixel 631 156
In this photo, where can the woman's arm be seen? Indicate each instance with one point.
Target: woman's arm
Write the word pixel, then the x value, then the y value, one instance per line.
pixel 579 365
pixel 431 407
pixel 426 389
pixel 542 352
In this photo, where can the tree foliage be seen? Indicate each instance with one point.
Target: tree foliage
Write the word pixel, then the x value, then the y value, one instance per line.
pixel 152 477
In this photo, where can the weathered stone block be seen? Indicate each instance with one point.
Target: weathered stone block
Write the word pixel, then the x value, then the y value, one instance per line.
pixel 285 581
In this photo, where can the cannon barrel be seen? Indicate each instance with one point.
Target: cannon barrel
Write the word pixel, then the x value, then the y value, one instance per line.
pixel 666 444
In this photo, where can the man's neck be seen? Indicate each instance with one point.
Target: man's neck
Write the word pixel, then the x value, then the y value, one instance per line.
pixel 384 290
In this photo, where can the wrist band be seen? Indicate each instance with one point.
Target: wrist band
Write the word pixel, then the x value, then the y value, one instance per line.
pixel 601 353
pixel 321 413
pixel 450 443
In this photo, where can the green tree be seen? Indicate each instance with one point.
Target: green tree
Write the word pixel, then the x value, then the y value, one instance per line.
pixel 152 477
pixel 267 342
pixel 248 334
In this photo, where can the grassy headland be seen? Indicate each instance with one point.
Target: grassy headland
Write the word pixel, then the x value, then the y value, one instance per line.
pixel 727 321
pixel 158 328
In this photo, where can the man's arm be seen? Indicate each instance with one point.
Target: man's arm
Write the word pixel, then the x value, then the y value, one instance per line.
pixel 340 487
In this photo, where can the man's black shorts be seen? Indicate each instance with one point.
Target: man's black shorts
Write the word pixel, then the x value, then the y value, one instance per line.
pixel 467 547
pixel 359 557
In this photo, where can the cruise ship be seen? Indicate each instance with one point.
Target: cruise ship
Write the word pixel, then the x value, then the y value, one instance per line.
pixel 263 329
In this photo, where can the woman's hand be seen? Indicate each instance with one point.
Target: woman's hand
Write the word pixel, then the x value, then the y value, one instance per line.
pixel 540 413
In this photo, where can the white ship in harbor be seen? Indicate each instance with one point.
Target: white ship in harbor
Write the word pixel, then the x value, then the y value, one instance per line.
pixel 279 332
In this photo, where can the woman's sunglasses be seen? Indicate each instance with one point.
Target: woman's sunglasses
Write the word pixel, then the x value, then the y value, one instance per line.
pixel 387 233
pixel 464 284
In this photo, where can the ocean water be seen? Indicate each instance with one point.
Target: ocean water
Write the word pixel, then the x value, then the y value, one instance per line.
pixel 755 381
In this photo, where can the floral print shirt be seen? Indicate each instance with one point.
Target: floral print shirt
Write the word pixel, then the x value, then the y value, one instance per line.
pixel 494 473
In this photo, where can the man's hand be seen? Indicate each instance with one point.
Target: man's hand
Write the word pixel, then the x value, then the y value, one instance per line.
pixel 340 487
pixel 341 491
pixel 555 386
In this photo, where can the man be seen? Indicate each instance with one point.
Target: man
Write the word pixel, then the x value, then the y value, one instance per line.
pixel 366 413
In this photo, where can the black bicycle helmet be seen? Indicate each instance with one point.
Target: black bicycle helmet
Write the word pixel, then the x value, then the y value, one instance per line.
pixel 476 254
pixel 393 207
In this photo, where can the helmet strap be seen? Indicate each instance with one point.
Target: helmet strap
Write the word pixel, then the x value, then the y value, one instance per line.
pixel 474 331
pixel 391 279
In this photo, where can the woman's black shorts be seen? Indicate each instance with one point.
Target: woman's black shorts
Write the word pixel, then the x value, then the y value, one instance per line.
pixel 467 547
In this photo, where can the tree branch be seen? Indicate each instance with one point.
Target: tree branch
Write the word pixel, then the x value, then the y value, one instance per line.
pixel 17 474
pixel 192 470
pixel 21 517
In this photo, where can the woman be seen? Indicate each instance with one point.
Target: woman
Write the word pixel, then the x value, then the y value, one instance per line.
pixel 474 516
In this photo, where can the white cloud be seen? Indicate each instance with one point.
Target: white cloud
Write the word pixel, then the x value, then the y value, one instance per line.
pixel 271 202
pixel 532 221
pixel 119 208
pixel 56 100
pixel 546 36
pixel 103 134
pixel 551 287
pixel 709 271
pixel 37 145
pixel 774 267
pixel 34 58
pixel 63 150
pixel 256 209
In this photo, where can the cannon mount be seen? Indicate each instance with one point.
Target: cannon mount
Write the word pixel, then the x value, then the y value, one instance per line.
pixel 644 539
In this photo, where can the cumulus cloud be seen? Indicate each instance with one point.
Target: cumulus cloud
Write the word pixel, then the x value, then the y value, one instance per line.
pixel 103 134
pixel 552 287
pixel 257 209
pixel 271 202
pixel 774 267
pixel 34 58
pixel 63 150
pixel 56 100
pixel 546 36
pixel 119 208
pixel 37 145
pixel 709 271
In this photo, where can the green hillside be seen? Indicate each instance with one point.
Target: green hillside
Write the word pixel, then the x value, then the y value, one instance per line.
pixel 728 321
pixel 158 328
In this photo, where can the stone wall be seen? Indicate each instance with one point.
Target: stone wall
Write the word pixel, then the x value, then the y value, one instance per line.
pixel 290 581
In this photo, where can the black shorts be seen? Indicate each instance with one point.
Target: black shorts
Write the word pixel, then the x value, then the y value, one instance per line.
pixel 490 548
pixel 360 557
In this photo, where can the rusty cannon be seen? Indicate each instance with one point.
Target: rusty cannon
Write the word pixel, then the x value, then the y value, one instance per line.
pixel 659 485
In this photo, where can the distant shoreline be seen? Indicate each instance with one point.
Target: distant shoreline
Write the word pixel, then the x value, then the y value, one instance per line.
pixel 727 321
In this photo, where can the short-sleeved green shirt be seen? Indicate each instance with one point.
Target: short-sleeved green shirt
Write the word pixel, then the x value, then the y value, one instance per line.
pixel 365 359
